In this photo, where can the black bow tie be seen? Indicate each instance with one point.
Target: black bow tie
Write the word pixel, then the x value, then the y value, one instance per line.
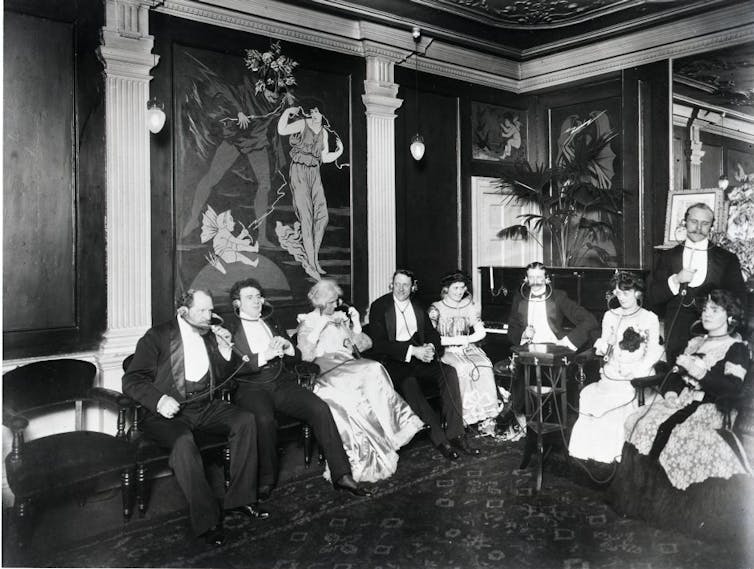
pixel 537 296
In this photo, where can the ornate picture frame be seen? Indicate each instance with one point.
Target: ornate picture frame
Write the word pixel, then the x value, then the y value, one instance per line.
pixel 680 200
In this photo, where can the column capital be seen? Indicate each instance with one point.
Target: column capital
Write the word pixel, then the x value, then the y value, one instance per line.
pixel 379 88
pixel 126 46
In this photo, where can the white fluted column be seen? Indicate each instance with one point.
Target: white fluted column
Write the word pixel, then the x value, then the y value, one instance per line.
pixel 126 53
pixel 381 103
pixel 696 155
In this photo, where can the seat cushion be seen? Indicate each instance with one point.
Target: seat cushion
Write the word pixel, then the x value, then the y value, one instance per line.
pixel 56 462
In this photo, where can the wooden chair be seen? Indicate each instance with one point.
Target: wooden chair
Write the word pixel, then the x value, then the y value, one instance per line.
pixel 76 462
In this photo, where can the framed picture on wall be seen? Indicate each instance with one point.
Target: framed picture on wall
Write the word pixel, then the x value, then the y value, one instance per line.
pixel 498 134
pixel 680 200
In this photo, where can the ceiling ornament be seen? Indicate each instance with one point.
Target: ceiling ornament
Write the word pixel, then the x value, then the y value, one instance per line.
pixel 531 13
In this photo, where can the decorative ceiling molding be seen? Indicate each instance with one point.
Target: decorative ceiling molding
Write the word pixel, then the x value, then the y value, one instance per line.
pixel 530 14
pixel 725 27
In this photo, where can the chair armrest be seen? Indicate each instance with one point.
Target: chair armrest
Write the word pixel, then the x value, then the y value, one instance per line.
pixel 585 356
pixel 647 381
pixel 306 372
pixel 15 422
pixel 110 396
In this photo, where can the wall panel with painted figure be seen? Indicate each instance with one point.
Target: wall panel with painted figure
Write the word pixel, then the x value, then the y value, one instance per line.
pixel 570 142
pixel 262 174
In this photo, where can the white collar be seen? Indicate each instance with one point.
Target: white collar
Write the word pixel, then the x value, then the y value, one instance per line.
pixel 702 245
pixel 187 328
pixel 405 305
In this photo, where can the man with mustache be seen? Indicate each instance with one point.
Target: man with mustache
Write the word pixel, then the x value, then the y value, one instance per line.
pixel 684 275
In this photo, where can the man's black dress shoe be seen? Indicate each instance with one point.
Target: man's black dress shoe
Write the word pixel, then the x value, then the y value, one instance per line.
pixel 447 451
pixel 264 492
pixel 215 536
pixel 463 445
pixel 346 482
pixel 250 511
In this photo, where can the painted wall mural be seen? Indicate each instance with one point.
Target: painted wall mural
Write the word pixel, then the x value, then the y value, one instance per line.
pixel 498 133
pixel 262 180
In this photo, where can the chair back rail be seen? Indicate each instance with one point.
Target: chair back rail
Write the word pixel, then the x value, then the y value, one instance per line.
pixel 39 386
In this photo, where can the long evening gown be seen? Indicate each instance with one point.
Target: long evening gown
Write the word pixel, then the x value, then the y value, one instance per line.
pixel 373 420
pixel 474 369
pixel 605 404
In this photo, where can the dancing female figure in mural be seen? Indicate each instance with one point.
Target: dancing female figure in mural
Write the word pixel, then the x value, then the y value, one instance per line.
pixel 225 245
pixel 309 149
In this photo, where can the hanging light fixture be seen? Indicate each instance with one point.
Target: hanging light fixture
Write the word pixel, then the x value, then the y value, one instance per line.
pixel 417 141
pixel 723 181
pixel 155 115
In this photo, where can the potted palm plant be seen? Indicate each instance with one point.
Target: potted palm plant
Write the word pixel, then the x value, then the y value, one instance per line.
pixel 574 203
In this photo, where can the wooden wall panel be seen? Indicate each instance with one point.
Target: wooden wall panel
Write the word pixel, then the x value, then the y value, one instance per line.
pixel 38 175
pixel 54 288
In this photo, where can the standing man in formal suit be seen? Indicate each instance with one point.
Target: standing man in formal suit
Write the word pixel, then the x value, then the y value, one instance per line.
pixel 266 384
pixel 539 315
pixel 409 347
pixel 684 275
pixel 173 375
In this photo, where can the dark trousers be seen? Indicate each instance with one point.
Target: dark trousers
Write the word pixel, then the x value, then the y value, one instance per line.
pixel 285 395
pixel 177 434
pixel 407 380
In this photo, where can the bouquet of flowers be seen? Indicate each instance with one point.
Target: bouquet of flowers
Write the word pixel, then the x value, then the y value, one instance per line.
pixel 739 234
pixel 274 71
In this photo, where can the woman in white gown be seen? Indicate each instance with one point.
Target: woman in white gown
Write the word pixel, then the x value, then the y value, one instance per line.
pixel 630 346
pixel 373 420
pixel 458 319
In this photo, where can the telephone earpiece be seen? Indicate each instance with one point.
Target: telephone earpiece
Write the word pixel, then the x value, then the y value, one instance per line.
pixel 237 304
pixel 183 311
pixel 547 280
pixel 415 286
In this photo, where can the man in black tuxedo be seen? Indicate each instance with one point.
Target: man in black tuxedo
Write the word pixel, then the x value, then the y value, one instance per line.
pixel 539 315
pixel 267 384
pixel 409 347
pixel 684 275
pixel 173 374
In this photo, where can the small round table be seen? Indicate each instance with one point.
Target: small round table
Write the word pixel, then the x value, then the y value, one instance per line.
pixel 546 403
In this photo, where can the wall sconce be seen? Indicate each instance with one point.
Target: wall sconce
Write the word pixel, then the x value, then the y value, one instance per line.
pixel 417 147
pixel 155 115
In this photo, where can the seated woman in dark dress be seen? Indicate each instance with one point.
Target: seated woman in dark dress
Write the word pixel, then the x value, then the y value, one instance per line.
pixel 676 463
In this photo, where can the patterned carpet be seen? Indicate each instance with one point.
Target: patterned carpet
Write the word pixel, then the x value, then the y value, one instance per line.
pixel 433 514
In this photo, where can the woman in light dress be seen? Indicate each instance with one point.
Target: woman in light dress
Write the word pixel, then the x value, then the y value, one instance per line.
pixel 373 420
pixel 458 320
pixel 630 347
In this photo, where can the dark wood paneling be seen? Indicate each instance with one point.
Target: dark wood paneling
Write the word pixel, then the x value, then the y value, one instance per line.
pixel 38 175
pixel 427 191
pixel 54 275
pixel 646 136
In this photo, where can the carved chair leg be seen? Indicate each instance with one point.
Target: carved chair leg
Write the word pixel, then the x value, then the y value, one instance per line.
pixel 226 467
pixel 307 445
pixel 23 514
pixel 126 490
pixel 141 489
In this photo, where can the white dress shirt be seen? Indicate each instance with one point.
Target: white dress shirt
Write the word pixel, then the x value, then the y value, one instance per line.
pixel 258 335
pixel 195 357
pixel 695 259
pixel 537 317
